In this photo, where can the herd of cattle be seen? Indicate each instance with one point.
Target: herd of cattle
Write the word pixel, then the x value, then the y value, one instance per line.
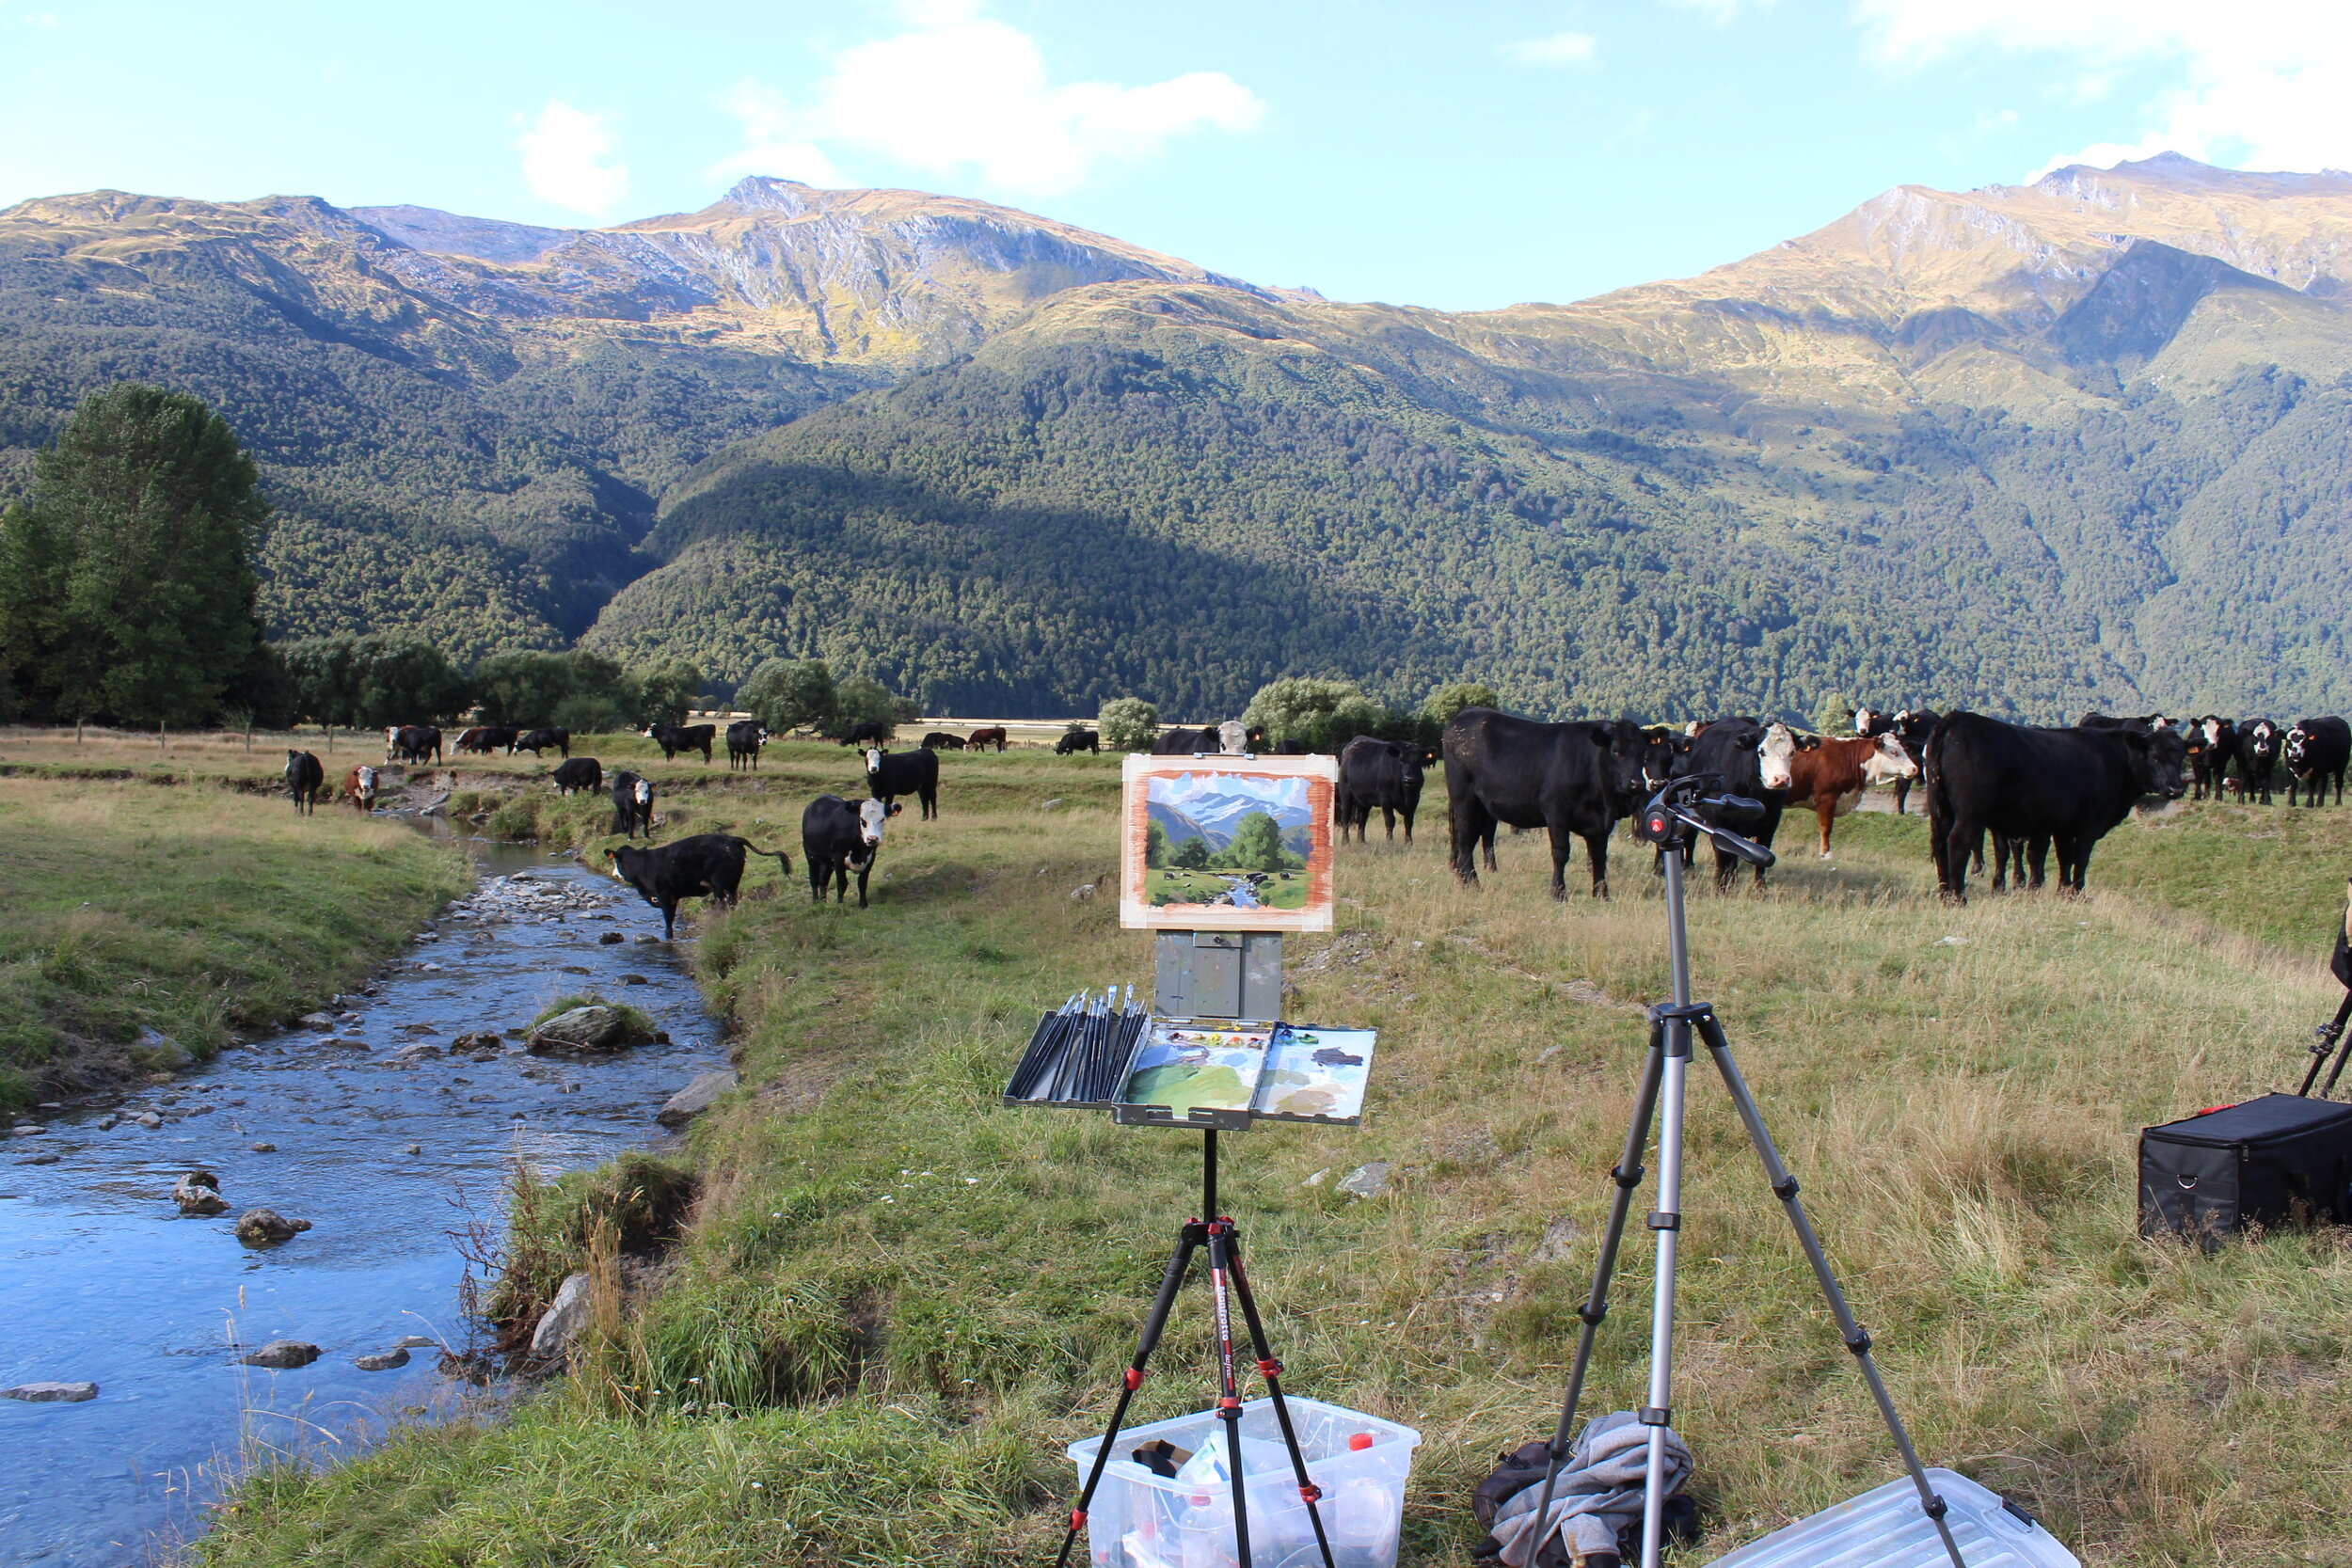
pixel 2026 788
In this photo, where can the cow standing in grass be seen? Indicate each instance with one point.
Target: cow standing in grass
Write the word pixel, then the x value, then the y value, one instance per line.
pixel 988 735
pixel 1829 775
pixel 838 837
pixel 539 740
pixel 305 780
pixel 632 805
pixel 359 787
pixel 674 738
pixel 2038 787
pixel 708 866
pixel 2315 751
pixel 2257 759
pixel 914 773
pixel 744 738
pixel 585 774
pixel 1575 781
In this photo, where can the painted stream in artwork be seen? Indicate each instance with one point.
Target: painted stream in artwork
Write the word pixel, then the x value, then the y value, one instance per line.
pixel 106 1283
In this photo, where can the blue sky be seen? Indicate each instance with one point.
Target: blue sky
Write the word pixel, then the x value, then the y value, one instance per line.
pixel 1459 155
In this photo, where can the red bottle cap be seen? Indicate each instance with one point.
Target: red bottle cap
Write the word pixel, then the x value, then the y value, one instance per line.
pixel 1361 1441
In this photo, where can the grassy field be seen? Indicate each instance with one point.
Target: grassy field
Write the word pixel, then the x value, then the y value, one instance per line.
pixel 897 1300
pixel 191 912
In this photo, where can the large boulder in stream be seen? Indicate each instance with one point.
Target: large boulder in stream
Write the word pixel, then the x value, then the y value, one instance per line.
pixel 595 1027
pixel 282 1356
pixel 267 1228
pixel 197 1194
pixel 701 1092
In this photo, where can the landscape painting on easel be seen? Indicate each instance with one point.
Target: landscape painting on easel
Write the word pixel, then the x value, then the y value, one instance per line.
pixel 1228 844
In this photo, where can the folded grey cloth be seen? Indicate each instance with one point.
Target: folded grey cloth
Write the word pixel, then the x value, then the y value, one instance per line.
pixel 1598 1492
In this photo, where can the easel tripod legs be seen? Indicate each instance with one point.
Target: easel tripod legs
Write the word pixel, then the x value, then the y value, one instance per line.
pixel 1229 1283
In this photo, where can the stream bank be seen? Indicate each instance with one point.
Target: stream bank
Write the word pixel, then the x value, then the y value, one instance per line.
pixel 390 1140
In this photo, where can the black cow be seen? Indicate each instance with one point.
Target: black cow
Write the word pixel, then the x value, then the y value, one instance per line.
pixel 1078 740
pixel 1574 779
pixel 1184 743
pixel 2212 747
pixel 838 838
pixel 2146 723
pixel 2257 758
pixel 536 741
pixel 2038 786
pixel 939 740
pixel 585 774
pixel 674 738
pixel 708 865
pixel 1383 775
pixel 872 733
pixel 486 738
pixel 632 805
pixel 1732 747
pixel 914 773
pixel 306 780
pixel 2315 751
pixel 412 744
pixel 744 737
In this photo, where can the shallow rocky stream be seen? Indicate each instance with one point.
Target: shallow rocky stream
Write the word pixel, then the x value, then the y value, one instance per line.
pixel 387 1141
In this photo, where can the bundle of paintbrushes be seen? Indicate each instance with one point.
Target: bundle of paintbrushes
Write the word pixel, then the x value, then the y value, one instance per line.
pixel 1079 1054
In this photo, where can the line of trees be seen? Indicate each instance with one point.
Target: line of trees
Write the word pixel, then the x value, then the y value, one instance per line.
pixel 1323 715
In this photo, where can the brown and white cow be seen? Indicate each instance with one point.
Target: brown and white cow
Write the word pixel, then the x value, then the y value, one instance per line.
pixel 359 787
pixel 1830 774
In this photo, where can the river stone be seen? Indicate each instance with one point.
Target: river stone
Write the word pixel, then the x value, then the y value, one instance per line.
pixel 41 1160
pixel 414 1341
pixel 701 1092
pixel 321 1021
pixel 198 1194
pixel 635 980
pixel 412 1148
pixel 481 1039
pixel 265 1148
pixel 1366 1181
pixel 561 1322
pixel 396 1356
pixel 51 1393
pixel 282 1354
pixel 582 1029
pixel 266 1226
pixel 613 938
pixel 149 1120
pixel 106 1122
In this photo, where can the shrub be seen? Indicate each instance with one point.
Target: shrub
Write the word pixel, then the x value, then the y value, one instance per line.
pixel 1128 724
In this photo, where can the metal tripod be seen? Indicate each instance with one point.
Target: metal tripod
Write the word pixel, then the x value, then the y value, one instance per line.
pixel 1669 821
pixel 1228 1283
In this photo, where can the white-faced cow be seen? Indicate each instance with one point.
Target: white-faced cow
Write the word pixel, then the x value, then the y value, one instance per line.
pixel 708 866
pixel 1730 749
pixel 838 837
pixel 632 805
pixel 2316 750
pixel 359 786
pixel 1828 774
pixel 744 738
pixel 1575 781
pixel 305 780
pixel 2212 747
pixel 915 773
pixel 2257 758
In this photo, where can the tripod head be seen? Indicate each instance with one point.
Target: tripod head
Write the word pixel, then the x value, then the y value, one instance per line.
pixel 1671 816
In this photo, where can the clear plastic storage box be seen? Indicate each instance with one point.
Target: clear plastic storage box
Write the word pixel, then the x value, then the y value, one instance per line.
pixel 1143 1519
pixel 1885 1528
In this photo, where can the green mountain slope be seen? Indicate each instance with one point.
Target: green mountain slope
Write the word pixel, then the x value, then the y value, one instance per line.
pixel 2033 449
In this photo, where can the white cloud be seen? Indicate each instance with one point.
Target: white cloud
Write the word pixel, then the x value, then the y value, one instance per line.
pixel 770 145
pixel 1722 14
pixel 567 160
pixel 2261 84
pixel 961 93
pixel 1561 48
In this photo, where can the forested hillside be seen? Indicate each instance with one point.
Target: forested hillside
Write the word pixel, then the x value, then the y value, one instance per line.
pixel 2032 448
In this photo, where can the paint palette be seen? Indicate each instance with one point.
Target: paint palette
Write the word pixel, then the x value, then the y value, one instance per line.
pixel 1228 1074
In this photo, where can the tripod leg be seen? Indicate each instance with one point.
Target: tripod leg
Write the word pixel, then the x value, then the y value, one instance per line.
pixel 1155 1323
pixel 1628 1176
pixel 1229 1383
pixel 1785 1188
pixel 1271 1370
pixel 1666 1221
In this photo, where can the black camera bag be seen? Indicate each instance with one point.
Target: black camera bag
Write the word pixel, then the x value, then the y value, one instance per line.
pixel 2268 1162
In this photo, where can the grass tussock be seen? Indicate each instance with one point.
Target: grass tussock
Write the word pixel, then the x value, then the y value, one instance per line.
pixel 896 1300
pixel 187 913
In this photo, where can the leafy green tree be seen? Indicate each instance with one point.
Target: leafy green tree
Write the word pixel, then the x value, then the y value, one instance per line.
pixel 1257 843
pixel 1442 705
pixel 1128 724
pixel 367 681
pixel 788 694
pixel 131 591
pixel 531 687
pixel 1191 855
pixel 1833 715
pixel 863 700
pixel 1299 707
pixel 1155 846
pixel 666 691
